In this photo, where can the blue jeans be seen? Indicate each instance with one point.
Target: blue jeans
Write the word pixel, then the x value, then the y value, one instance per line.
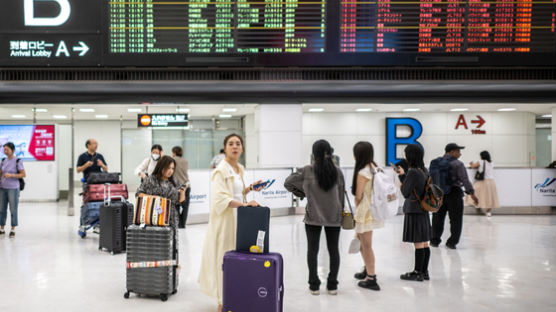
pixel 11 197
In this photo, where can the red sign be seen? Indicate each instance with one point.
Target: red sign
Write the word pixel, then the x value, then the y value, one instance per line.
pixel 479 123
pixel 42 143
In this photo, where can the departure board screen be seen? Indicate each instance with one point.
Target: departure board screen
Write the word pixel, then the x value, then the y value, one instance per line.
pixel 217 26
pixel 268 33
pixel 447 26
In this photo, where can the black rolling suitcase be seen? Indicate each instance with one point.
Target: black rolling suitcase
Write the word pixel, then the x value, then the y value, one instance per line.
pixel 253 229
pixel 115 217
pixel 152 261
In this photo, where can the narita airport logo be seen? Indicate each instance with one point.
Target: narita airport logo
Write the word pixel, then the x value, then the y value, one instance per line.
pixel 543 187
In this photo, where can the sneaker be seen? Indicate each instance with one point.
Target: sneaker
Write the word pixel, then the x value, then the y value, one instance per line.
pixel 451 246
pixel 369 283
pixel 412 276
pixel 489 214
pixel 361 275
pixel 12 234
pixel 426 276
pixel 315 292
pixel 333 292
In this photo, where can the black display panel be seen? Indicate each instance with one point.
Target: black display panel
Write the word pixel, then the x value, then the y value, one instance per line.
pixel 198 33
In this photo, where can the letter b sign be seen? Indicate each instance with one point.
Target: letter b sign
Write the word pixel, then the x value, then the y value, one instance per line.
pixel 31 20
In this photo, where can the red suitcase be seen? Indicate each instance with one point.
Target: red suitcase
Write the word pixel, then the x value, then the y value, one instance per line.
pixel 97 192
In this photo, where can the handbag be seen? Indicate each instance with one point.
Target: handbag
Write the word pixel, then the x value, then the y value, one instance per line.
pixel 480 176
pixel 348 222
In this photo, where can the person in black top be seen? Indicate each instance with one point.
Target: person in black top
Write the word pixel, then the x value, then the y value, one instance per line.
pixel 91 161
pixel 417 224
pixel 453 200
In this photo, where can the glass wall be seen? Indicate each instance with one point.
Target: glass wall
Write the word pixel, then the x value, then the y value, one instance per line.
pixel 544 147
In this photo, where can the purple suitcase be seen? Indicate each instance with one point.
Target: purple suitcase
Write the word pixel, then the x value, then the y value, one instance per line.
pixel 253 282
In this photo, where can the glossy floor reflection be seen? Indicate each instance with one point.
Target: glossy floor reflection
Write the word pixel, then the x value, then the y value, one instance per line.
pixel 506 263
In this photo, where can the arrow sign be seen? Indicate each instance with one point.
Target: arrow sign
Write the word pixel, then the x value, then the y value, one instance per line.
pixel 83 48
pixel 479 121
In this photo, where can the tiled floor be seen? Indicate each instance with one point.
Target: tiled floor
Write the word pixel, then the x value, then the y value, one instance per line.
pixel 506 263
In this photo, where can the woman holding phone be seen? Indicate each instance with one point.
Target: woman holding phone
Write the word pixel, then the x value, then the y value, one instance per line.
pixel 163 183
pixel 228 192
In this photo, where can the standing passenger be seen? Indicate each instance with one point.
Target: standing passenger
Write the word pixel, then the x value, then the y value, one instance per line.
pixel 146 167
pixel 228 192
pixel 323 184
pixel 417 223
pixel 362 189
pixel 485 189
pixel 183 178
pixel 11 170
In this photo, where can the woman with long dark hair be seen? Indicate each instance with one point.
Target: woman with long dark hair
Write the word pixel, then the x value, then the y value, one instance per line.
pixel 227 192
pixel 417 224
pixel 323 185
pixel 362 189
pixel 163 183
pixel 485 189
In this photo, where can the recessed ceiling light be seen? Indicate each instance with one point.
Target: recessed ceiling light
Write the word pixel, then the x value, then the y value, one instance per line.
pixel 547 116
pixel 508 109
pixel 225 116
pixel 40 110
pixel 459 109
pixel 229 110
pixel 101 116
pixel 363 110
pixel 19 116
pixel 411 109
pixel 183 110
pixel 316 110
pixel 59 116
pixel 134 110
pixel 87 110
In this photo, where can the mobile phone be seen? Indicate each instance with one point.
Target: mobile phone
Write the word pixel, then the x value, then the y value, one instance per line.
pixel 262 184
pixel 185 184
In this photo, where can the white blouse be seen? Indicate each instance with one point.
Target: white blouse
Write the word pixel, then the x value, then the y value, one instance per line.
pixel 488 168
pixel 238 184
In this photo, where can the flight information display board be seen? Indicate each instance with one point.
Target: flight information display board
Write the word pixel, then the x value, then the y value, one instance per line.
pixel 217 26
pixel 184 33
pixel 447 26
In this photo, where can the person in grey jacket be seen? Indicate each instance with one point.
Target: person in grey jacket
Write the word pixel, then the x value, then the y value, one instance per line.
pixel 323 185
pixel 417 224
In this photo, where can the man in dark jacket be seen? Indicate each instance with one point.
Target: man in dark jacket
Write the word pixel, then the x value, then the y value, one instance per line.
pixel 453 200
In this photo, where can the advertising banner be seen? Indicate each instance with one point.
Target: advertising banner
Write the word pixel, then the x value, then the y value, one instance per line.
pixel 275 194
pixel 200 191
pixel 32 142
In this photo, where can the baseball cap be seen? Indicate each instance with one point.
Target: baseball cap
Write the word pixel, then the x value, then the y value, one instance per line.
pixel 452 146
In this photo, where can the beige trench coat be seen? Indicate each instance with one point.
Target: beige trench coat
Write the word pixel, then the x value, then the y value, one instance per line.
pixel 221 232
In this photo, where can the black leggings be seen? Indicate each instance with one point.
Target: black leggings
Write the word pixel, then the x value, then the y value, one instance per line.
pixel 313 242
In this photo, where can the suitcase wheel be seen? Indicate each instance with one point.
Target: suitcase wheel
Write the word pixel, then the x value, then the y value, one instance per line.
pixel 82 234
pixel 163 297
pixel 126 295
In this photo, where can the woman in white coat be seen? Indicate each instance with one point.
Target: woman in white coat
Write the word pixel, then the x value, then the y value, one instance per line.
pixel 228 191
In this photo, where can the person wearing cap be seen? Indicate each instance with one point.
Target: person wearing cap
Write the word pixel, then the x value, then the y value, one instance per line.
pixel 453 200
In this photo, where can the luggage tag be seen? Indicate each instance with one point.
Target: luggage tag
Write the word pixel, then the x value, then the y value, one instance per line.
pixel 260 243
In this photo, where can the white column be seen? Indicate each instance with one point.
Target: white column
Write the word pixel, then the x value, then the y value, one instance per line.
pixel 554 134
pixel 274 136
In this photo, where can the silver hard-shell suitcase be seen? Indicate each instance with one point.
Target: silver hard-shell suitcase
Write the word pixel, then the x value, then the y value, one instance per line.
pixel 147 247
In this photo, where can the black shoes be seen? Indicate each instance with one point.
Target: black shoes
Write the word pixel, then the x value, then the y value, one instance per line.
pixel 434 244
pixel 426 276
pixel 451 246
pixel 12 234
pixel 2 232
pixel 369 283
pixel 361 275
pixel 412 276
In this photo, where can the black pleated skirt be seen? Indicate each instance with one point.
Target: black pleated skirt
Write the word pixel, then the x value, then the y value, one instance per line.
pixel 416 228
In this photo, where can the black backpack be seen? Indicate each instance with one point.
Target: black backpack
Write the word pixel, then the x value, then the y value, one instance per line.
pixel 439 171
pixel 21 180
